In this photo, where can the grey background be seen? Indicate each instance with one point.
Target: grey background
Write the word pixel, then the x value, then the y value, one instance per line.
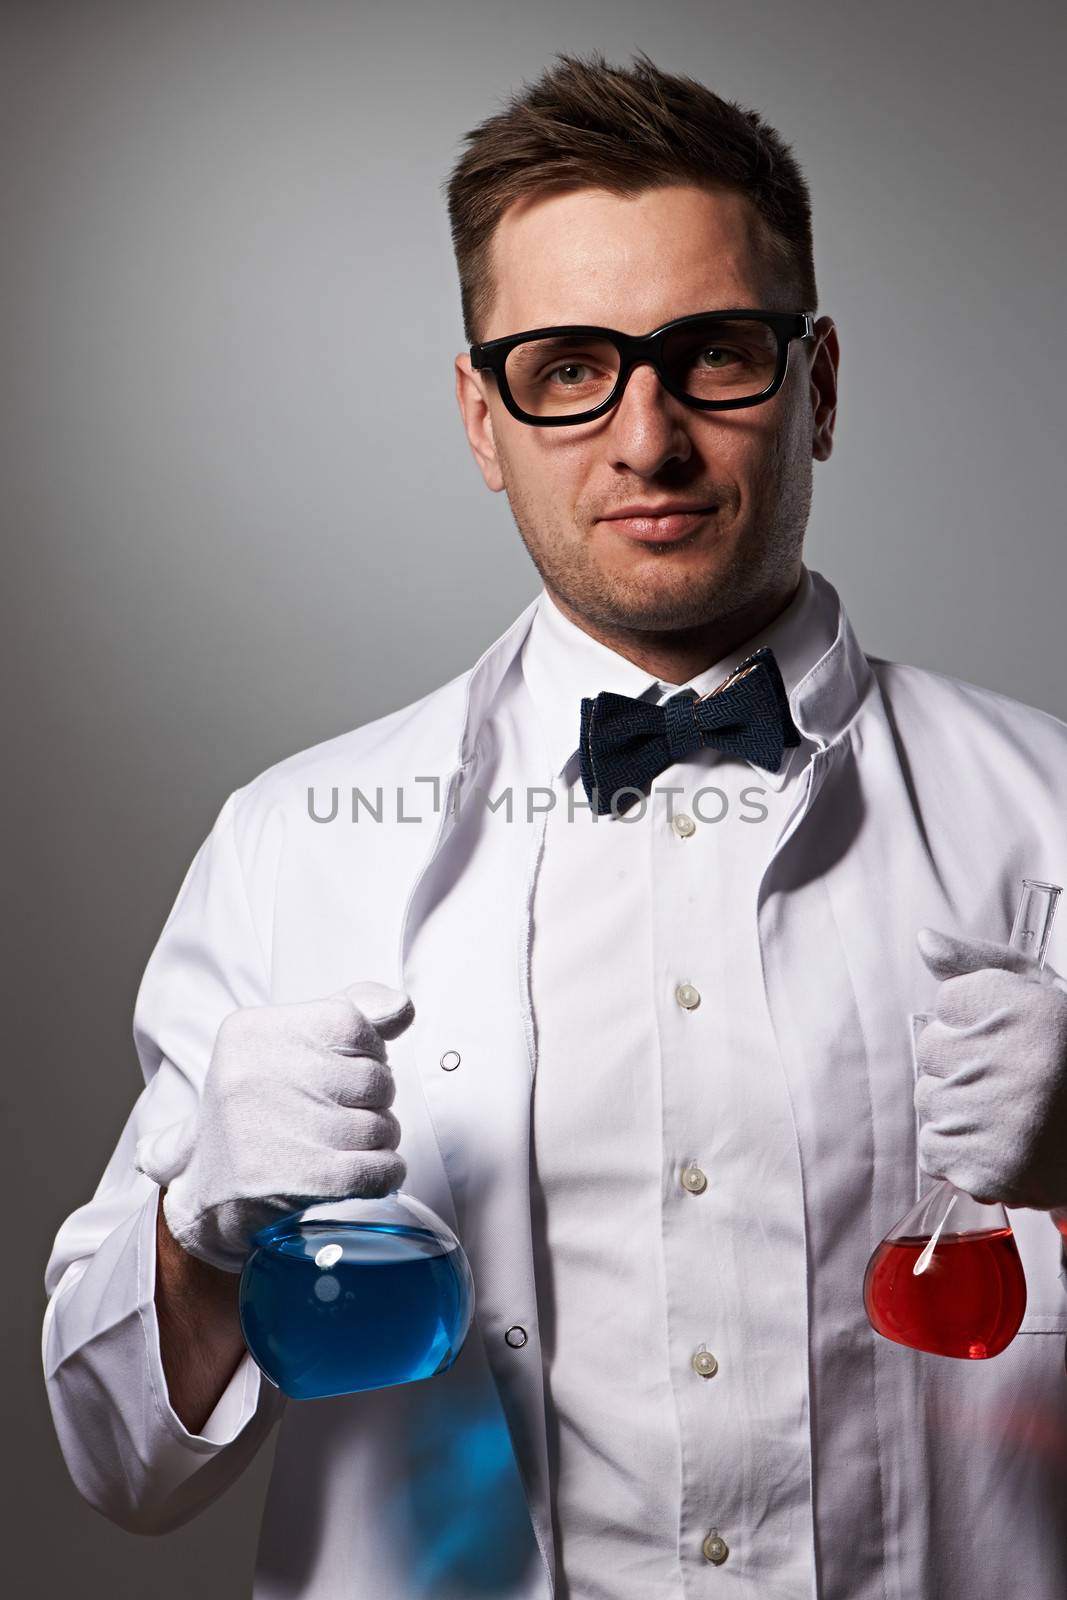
pixel 240 514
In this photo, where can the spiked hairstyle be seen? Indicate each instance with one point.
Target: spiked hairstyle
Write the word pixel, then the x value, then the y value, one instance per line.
pixel 585 124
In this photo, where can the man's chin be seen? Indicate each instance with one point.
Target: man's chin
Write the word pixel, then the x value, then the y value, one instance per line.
pixel 650 597
pixel 668 570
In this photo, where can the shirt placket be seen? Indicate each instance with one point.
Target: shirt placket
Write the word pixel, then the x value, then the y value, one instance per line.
pixel 732 1212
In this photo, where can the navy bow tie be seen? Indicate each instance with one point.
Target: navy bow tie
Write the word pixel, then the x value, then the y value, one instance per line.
pixel 625 743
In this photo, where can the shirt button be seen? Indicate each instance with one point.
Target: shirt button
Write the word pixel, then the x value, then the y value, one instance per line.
pixel 694 1180
pixel 683 826
pixel 716 1549
pixel 450 1060
pixel 687 997
pixel 705 1363
pixel 515 1337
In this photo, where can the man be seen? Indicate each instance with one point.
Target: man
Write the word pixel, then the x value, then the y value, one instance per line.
pixel 658 926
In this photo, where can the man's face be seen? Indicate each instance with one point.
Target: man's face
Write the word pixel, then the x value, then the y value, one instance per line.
pixel 589 256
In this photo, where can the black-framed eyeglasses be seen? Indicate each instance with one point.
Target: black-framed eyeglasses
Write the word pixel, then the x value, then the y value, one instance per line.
pixel 713 361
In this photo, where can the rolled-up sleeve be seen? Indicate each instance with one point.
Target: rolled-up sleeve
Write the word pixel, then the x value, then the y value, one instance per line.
pixel 126 1449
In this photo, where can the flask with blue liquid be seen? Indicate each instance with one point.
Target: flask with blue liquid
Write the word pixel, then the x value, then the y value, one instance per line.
pixel 355 1294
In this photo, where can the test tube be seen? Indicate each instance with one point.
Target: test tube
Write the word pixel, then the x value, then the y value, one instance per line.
pixel 1033 918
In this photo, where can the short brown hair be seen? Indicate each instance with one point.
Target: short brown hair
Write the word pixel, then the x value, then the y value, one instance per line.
pixel 585 124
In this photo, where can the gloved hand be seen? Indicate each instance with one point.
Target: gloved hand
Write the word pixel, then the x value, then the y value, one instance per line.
pixel 293 1110
pixel 991 1094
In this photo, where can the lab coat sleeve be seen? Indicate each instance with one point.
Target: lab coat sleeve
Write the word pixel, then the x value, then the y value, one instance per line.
pixel 125 1448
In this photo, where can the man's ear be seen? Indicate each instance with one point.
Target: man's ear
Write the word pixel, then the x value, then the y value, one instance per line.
pixel 823 388
pixel 473 401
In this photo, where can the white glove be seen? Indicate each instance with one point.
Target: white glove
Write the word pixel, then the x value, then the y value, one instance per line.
pixel 293 1111
pixel 992 1088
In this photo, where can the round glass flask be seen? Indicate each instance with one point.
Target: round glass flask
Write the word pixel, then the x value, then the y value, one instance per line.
pixel 355 1294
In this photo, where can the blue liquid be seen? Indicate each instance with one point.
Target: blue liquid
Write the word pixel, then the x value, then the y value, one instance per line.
pixel 385 1305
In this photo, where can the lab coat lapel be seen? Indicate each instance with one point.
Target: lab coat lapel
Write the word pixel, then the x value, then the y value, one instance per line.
pixel 463 955
pixel 814 1000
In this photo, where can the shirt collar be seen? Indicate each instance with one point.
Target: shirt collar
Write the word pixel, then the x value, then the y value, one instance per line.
pixel 561 663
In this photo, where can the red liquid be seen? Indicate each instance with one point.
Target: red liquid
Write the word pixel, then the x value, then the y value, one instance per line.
pixel 968 1302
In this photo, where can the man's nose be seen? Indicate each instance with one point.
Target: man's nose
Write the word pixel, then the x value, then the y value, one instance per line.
pixel 649 425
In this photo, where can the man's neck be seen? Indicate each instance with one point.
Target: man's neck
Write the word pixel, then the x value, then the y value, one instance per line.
pixel 676 655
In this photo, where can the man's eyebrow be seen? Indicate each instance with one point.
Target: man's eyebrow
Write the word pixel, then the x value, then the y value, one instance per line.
pixel 559 341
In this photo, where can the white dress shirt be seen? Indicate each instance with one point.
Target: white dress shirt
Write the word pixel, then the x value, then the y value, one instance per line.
pixel 674 1339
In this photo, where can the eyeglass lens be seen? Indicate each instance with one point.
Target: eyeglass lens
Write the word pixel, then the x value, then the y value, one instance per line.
pixel 569 374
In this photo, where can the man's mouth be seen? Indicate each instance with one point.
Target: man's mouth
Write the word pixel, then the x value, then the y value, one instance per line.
pixel 661 530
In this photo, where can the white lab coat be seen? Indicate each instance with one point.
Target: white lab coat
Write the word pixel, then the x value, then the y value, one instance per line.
pixel 925 803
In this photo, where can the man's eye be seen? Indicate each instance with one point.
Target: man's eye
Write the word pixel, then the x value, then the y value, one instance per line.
pixel 722 356
pixel 568 367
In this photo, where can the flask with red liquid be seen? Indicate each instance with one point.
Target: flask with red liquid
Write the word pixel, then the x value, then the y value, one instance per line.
pixel 948 1279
